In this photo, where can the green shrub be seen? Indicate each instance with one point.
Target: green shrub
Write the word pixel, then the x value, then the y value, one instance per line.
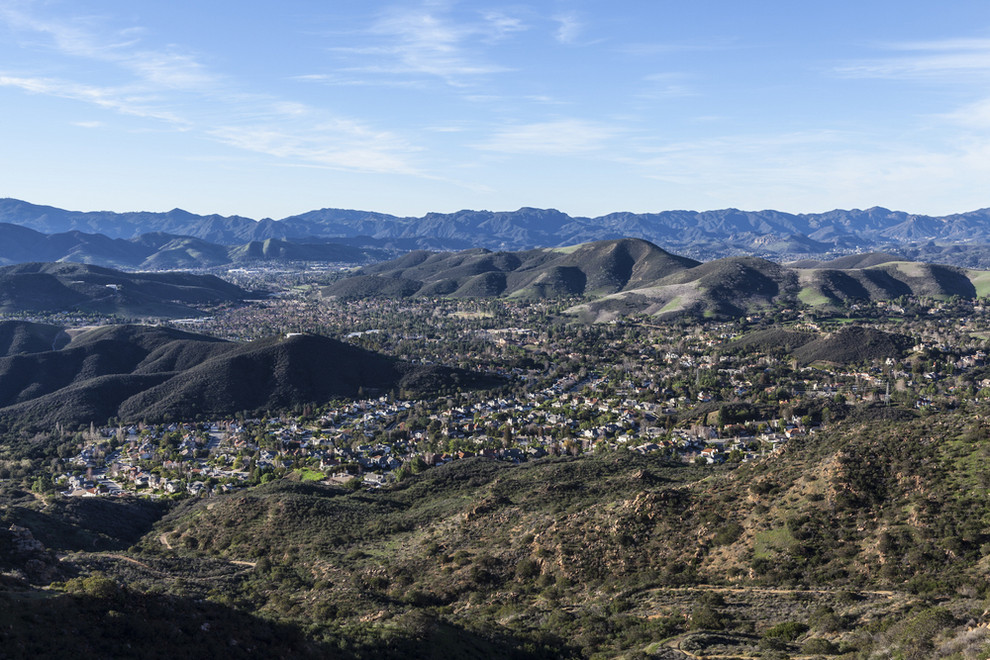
pixel 819 646
pixel 824 619
pixel 787 631
pixel 728 533
pixel 527 569
pixel 706 617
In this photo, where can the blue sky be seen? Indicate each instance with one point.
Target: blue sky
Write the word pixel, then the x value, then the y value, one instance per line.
pixel 275 108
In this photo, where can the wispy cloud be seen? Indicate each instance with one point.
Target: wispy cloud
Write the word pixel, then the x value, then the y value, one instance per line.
pixel 945 60
pixel 569 28
pixel 173 86
pixel 87 38
pixel 123 100
pixel 973 115
pixel 355 79
pixel 500 25
pixel 560 137
pixel 430 41
pixel 664 86
pixel 338 145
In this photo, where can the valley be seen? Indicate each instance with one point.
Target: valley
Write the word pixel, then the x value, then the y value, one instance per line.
pixel 457 330
pixel 803 481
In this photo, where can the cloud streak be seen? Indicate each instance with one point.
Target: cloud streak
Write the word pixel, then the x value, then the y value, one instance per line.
pixel 429 41
pixel 121 100
pixel 174 87
pixel 561 137
pixel 946 60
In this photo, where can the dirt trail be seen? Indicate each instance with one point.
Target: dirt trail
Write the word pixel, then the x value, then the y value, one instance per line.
pixel 134 561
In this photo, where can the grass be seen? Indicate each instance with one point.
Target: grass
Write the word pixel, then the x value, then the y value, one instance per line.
pixel 673 306
pixel 769 542
pixel 812 297
pixel 305 474
pixel 980 280
pixel 909 268
pixel 570 249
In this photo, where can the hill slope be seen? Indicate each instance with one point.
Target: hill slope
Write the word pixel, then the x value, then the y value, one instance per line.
pixel 591 268
pixel 854 344
pixel 62 287
pixel 847 533
pixel 630 276
pixel 141 373
pixel 735 286
pixel 18 337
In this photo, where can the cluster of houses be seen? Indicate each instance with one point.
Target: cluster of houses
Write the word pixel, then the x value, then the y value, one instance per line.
pixel 202 459
pixel 666 399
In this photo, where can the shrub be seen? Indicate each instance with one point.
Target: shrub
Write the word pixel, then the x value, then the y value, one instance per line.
pixel 819 646
pixel 527 569
pixel 706 617
pixel 824 619
pixel 787 631
pixel 728 534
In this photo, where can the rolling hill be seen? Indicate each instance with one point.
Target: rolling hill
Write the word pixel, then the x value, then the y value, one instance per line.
pixel 631 276
pixel 854 344
pixel 19 337
pixel 147 373
pixel 67 287
pixel 734 286
pixel 588 269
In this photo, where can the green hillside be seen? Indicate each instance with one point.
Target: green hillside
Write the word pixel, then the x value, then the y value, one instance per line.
pixel 587 269
pixel 626 277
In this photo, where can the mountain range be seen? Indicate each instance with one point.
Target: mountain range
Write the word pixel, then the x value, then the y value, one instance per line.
pixel 162 251
pixel 137 373
pixel 634 276
pixel 707 234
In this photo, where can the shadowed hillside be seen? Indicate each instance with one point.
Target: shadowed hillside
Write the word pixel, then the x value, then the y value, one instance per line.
pixel 854 344
pixel 18 337
pixel 140 373
pixel 58 287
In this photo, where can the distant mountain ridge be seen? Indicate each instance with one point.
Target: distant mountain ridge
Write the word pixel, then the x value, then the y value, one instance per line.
pixel 163 251
pixel 713 233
